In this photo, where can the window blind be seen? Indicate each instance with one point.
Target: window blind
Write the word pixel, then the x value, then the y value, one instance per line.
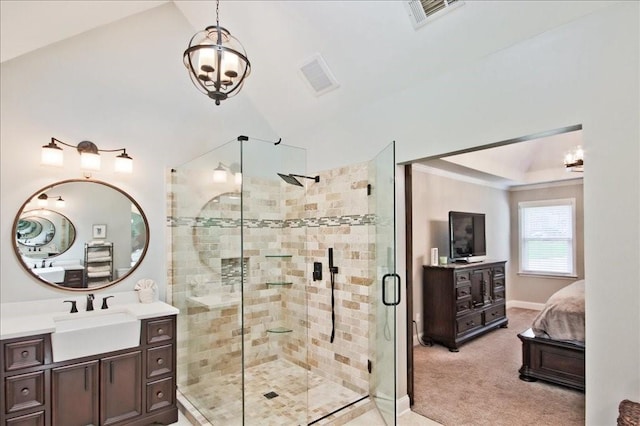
pixel 547 240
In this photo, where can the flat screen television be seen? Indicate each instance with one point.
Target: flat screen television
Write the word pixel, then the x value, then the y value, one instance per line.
pixel 466 237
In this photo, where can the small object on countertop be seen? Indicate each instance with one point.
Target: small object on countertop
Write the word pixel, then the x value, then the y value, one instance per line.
pixel 104 302
pixel 146 289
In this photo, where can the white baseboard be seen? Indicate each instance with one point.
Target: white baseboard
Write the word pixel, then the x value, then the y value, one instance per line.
pixel 524 305
pixel 403 405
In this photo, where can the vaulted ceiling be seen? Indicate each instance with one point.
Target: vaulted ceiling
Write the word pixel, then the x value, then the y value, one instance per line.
pixel 370 46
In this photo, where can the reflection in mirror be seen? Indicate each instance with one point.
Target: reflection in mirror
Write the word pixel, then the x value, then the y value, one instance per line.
pixel 218 220
pixel 44 233
pixel 101 238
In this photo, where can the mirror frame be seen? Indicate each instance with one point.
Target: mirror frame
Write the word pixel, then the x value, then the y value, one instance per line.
pixel 60 287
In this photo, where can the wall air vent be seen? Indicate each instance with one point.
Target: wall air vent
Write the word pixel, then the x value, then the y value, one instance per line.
pixel 423 11
pixel 318 75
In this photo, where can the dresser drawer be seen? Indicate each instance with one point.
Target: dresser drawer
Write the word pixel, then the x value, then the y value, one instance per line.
pixel 462 292
pixel 159 361
pixel 462 277
pixel 469 322
pixel 34 419
pixel 498 296
pixel 24 391
pixel 24 353
pixel 463 306
pixel 494 313
pixel 160 330
pixel 498 271
pixel 160 394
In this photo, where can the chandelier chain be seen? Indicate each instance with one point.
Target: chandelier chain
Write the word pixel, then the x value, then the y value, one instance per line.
pixel 218 13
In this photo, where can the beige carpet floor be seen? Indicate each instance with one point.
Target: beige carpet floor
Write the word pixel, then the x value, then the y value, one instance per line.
pixel 480 386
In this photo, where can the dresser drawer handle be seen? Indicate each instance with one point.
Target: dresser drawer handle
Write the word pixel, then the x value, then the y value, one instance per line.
pixel 160 331
pixel 470 323
pixel 160 361
pixel 160 395
pixel 24 354
pixel 25 391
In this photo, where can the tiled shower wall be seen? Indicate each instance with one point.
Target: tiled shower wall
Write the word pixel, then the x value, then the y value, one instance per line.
pixel 280 219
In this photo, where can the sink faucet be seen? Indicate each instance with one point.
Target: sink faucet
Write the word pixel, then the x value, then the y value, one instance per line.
pixel 43 263
pixel 90 298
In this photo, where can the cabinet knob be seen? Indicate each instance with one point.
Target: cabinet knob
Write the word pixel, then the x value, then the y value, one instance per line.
pixel 160 395
pixel 160 361
pixel 161 331
pixel 25 391
pixel 24 354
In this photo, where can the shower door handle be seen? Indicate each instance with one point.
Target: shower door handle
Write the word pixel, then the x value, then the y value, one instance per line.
pixel 384 288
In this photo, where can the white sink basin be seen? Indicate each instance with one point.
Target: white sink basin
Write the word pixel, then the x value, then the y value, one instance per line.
pixel 54 274
pixel 90 333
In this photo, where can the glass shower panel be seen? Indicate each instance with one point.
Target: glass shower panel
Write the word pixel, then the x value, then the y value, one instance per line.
pixel 274 297
pixel 206 277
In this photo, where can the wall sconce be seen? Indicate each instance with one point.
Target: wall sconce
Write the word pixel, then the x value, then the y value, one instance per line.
pixel 52 155
pixel 574 160
pixel 221 173
pixel 43 201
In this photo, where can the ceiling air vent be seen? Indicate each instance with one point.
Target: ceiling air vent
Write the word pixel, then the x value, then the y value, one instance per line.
pixel 318 75
pixel 423 11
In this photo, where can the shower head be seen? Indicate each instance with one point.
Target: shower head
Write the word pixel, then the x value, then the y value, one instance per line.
pixel 291 178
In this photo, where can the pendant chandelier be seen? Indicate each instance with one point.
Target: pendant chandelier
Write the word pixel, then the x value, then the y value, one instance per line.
pixel 217 62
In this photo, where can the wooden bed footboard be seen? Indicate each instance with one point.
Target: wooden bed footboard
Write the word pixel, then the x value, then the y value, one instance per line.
pixel 551 360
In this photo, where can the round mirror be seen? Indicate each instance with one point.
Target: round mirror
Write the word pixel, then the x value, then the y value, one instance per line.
pixel 95 237
pixel 218 222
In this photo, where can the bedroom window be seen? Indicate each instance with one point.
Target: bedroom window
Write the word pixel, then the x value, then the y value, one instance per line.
pixel 547 237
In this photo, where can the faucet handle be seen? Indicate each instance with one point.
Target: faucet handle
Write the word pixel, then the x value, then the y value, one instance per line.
pixel 74 308
pixel 104 302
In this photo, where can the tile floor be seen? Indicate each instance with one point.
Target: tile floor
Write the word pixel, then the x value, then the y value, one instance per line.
pixel 220 401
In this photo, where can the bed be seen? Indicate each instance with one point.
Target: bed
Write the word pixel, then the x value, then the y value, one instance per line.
pixel 553 348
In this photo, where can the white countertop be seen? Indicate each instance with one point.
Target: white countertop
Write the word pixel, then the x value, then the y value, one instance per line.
pixel 21 319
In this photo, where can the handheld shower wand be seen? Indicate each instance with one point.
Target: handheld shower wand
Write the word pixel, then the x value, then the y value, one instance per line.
pixel 333 270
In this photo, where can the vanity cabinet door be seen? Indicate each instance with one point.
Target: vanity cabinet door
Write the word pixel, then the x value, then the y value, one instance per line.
pixel 75 395
pixel 120 387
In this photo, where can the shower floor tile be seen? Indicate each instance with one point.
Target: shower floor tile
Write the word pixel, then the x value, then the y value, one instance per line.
pixel 219 399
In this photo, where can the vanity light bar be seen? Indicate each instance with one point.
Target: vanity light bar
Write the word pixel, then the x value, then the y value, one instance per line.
pixel 52 155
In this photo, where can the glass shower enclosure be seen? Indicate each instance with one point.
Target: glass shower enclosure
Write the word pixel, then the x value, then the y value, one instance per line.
pixel 255 328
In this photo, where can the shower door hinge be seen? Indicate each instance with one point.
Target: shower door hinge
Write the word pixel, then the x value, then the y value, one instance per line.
pixel 369 366
pixel 368 189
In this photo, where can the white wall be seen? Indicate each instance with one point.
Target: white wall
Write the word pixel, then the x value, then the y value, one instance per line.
pixel 585 72
pixel 75 90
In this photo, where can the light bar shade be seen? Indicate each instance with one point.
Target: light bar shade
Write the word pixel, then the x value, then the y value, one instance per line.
pixel 52 155
pixel 89 161
pixel 123 163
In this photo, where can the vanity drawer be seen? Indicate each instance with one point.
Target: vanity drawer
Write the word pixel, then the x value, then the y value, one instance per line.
pixel 160 394
pixel 159 361
pixel 34 419
pixel 161 330
pixel 24 391
pixel 24 353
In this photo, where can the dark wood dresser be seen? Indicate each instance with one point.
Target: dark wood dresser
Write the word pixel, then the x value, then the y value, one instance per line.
pixel 462 301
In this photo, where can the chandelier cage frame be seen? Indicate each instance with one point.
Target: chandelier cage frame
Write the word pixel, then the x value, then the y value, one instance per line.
pixel 215 82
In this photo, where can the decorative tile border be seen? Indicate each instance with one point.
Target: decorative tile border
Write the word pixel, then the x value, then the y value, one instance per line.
pixel 327 221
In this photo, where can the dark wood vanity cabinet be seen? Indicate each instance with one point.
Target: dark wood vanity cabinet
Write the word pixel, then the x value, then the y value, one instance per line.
pixel 132 387
pixel 462 301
